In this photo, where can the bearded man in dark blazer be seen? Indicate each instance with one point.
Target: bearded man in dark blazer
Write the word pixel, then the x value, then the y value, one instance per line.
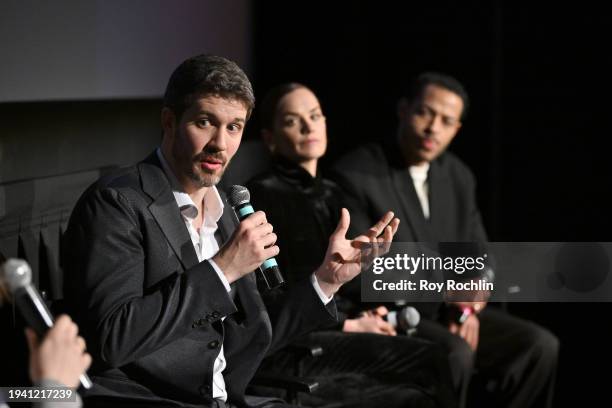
pixel 433 193
pixel 159 271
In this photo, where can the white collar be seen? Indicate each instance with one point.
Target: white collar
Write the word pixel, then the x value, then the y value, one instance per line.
pixel 213 205
pixel 419 173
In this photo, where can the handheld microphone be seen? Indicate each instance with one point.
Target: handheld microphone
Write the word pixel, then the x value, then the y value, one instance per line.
pixel 18 277
pixel 406 319
pixel 240 200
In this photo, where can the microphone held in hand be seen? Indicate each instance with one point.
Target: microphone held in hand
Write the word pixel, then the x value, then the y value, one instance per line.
pixel 405 320
pixel 240 200
pixel 17 275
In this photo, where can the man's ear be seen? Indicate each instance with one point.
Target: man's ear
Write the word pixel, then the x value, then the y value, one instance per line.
pixel 457 128
pixel 268 139
pixel 168 121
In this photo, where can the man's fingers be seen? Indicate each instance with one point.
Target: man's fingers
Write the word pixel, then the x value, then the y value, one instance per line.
pixel 395 225
pixel 64 327
pixel 377 228
pixel 473 338
pixel 80 342
pixel 62 321
pixel 467 334
pixel 387 234
pixel 72 331
pixel 383 243
pixel 271 252
pixel 388 329
pixel 390 230
pixel 343 224
pixel 463 329
pixel 268 240
pixel 382 327
pixel 255 219
pixel 85 361
pixel 381 311
pixel 263 229
pixel 381 246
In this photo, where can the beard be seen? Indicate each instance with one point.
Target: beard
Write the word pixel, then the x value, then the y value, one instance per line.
pixel 201 179
pixel 193 170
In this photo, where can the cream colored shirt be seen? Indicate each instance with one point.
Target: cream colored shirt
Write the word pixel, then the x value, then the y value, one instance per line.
pixel 419 178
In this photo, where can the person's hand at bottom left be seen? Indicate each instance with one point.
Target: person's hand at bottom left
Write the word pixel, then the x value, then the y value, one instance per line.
pixel 60 356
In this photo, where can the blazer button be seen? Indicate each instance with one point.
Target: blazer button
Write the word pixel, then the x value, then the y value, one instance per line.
pixel 213 344
pixel 198 323
pixel 216 315
pixel 205 390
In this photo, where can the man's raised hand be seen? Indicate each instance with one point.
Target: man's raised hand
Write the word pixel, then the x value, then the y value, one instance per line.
pixel 345 258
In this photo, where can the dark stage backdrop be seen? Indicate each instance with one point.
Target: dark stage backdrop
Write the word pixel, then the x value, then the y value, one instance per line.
pixel 536 138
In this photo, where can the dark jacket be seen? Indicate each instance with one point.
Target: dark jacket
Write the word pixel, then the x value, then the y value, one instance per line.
pixel 304 212
pixel 376 179
pixel 151 314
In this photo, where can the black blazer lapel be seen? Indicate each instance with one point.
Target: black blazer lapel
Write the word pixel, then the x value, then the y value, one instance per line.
pixel 403 188
pixel 406 195
pixel 227 223
pixel 165 210
pixel 441 202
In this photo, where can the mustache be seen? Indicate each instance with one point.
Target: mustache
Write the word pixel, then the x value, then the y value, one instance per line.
pixel 210 154
pixel 430 137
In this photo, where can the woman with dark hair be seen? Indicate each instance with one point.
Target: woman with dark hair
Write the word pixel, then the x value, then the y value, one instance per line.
pixel 365 360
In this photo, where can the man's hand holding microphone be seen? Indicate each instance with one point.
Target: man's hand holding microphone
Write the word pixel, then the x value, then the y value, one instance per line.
pixel 253 245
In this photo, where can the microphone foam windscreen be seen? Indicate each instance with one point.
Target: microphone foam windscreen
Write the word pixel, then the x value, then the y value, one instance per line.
pixel 411 316
pixel 238 195
pixel 16 273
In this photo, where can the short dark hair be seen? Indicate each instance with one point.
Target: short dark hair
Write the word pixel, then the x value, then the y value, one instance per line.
pixel 269 104
pixel 415 89
pixel 205 75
